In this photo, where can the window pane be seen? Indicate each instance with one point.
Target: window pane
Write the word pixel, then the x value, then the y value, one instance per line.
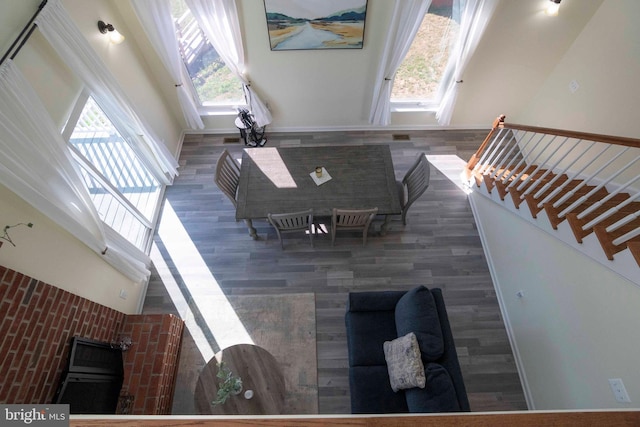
pixel 123 190
pixel 115 214
pixel 212 80
pixel 421 71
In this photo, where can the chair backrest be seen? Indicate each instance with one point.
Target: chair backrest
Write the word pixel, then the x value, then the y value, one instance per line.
pixel 353 218
pixel 228 175
pixel 292 221
pixel 416 180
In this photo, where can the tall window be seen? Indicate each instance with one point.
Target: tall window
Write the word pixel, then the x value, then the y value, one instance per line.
pixel 212 81
pixel 122 188
pixel 420 75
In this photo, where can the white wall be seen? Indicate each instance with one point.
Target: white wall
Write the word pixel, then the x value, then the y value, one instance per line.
pixel 129 67
pixel 331 89
pixel 311 89
pixel 47 252
pixel 605 61
pixel 519 49
pixel 576 325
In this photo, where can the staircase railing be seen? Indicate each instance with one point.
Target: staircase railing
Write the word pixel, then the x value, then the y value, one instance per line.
pixel 592 181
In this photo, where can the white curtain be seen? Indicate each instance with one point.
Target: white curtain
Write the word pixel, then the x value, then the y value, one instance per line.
pixel 475 17
pixel 219 21
pixel 155 16
pixel 36 164
pixel 405 22
pixel 67 40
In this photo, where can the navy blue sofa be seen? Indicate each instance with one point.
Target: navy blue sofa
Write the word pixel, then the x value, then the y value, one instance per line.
pixel 375 317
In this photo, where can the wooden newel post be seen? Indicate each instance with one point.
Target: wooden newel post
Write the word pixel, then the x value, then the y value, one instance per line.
pixel 497 124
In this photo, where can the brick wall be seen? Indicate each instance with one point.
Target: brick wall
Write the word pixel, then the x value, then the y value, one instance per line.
pixel 38 322
pixel 151 364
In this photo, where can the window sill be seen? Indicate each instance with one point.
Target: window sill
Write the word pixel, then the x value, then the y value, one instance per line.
pixel 220 110
pixel 413 107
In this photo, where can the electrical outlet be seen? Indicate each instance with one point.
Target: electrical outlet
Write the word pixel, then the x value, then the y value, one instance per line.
pixel 573 86
pixel 123 294
pixel 619 391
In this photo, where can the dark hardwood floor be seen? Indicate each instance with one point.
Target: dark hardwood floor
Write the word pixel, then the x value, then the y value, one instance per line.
pixel 439 247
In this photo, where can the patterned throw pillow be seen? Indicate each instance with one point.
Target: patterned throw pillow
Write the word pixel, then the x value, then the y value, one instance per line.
pixel 404 363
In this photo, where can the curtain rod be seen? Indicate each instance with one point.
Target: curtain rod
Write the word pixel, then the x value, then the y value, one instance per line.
pixel 23 36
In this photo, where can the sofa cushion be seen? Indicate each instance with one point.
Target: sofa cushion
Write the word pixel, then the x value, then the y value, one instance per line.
pixel 373 300
pixel 404 363
pixel 366 333
pixel 416 312
pixel 370 391
pixel 439 395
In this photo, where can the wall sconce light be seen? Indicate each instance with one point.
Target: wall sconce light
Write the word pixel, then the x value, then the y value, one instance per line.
pixel 553 6
pixel 114 36
pixel 6 236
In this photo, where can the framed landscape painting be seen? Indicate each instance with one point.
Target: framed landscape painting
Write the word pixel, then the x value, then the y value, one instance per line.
pixel 315 24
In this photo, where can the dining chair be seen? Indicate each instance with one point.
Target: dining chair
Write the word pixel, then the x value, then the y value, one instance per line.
pixel 228 176
pixel 352 219
pixel 292 222
pixel 414 183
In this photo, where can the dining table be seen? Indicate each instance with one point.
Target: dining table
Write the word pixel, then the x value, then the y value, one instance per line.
pixel 284 180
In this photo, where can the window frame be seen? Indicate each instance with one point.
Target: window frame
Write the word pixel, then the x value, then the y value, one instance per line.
pixel 82 163
pixel 209 109
pixel 205 108
pixel 426 105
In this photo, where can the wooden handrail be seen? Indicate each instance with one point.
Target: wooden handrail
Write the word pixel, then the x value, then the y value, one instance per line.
pixel 609 139
pixel 500 123
pixel 505 161
pixel 497 123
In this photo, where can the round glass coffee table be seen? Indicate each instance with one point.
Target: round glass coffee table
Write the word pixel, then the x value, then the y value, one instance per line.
pixel 261 376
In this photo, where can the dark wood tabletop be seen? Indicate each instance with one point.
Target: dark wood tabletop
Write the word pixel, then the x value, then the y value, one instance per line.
pixel 259 372
pixel 277 180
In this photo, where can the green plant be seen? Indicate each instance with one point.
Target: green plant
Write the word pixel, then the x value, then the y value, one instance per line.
pixel 229 384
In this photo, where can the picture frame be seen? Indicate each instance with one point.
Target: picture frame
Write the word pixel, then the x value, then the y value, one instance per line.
pixel 315 24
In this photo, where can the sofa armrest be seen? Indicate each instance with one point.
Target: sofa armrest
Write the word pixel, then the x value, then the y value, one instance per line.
pixel 450 357
pixel 373 301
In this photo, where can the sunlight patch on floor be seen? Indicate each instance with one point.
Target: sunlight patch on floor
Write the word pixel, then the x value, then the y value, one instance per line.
pixel 214 314
pixel 452 167
pixel 271 164
pixel 180 303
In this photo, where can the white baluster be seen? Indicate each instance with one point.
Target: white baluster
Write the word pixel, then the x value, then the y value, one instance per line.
pixel 479 167
pixel 548 171
pixel 490 153
pixel 626 220
pixel 532 162
pixel 611 211
pixel 505 157
pixel 501 156
pixel 630 235
pixel 584 198
pixel 522 162
pixel 560 173
pixel 573 176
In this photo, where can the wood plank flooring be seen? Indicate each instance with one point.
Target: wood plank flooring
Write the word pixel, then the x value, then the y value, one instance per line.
pixel 439 247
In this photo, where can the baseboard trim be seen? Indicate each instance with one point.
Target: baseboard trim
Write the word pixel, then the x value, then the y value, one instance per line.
pixel 304 129
pixel 501 303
